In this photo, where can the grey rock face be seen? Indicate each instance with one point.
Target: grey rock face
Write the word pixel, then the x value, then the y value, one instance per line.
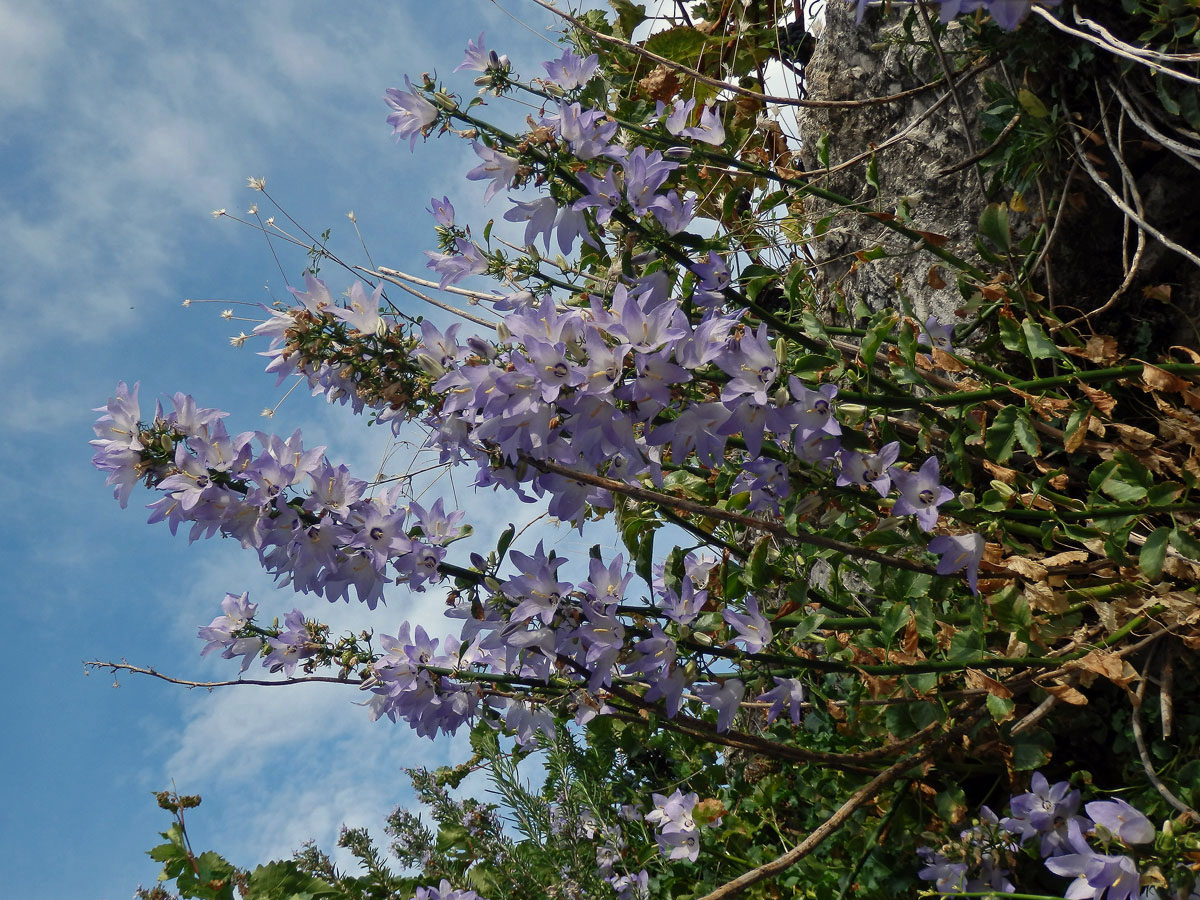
pixel 850 64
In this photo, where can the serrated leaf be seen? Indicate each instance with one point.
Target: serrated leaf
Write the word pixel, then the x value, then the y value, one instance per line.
pixel 166 852
pixel 881 326
pixel 283 879
pixel 1026 434
pixel 1002 434
pixel 629 17
pixel 682 44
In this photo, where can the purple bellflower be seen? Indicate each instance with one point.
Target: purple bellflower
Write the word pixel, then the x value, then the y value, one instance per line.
pixel 869 469
pixel 957 552
pixel 921 494
pixel 753 630
pixel 478 58
pixel 442 211
pixel 495 167
pixel 1121 820
pixel 413 113
pixel 788 694
pixel 454 267
pixel 1094 875
pixel 570 71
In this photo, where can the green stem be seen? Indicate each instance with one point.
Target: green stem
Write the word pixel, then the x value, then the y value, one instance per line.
pixel 962 398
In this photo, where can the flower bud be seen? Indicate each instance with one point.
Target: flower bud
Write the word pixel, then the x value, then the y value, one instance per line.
pixel 430 366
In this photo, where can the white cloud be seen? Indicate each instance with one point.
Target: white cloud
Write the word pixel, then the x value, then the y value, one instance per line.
pixel 28 46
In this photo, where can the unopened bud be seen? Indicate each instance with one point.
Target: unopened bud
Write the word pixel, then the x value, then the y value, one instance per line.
pixel 430 366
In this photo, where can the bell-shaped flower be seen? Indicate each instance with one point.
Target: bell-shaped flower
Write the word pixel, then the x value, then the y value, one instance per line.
pixel 788 694
pixel 958 552
pixel 413 113
pixel 539 217
pixel 442 211
pixel 454 267
pixel 495 167
pixel 570 71
pixel 921 494
pixel 1121 820
pixel 753 630
pixel 725 698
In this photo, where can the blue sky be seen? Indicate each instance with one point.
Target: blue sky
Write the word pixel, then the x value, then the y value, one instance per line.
pixel 123 124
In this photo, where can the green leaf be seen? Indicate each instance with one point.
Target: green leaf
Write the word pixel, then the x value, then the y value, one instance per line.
pixel 683 44
pixel 1010 609
pixel 1001 709
pixel 1186 544
pixel 813 326
pixel 951 804
pixel 1002 434
pixel 485 880
pixel 807 626
pixel 1154 552
pixel 1031 750
pixel 1026 434
pixel 965 644
pixel 993 225
pixel 756 564
pixel 1039 343
pixel 880 327
pixel 283 879
pixel 1164 492
pixel 925 618
pixel 873 173
pixel 1128 480
pixel 644 560
pixel 1031 104
pixel 823 149
pixel 1117 539
pixel 894 618
pixel 629 17
pixel 1011 334
pixel 452 836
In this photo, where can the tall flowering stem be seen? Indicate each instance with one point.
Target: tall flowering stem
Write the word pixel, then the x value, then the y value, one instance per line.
pixel 905 559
